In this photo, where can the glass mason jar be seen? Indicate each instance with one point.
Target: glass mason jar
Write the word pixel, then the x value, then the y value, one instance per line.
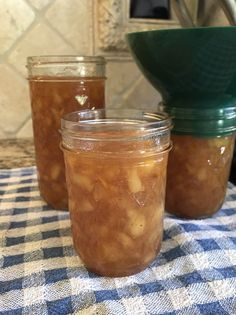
pixel 116 175
pixel 199 164
pixel 59 85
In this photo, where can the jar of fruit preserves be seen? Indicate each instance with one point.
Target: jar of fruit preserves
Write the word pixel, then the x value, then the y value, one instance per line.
pixel 199 164
pixel 59 85
pixel 116 175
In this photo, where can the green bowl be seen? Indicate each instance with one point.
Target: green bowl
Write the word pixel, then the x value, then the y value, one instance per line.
pixel 193 67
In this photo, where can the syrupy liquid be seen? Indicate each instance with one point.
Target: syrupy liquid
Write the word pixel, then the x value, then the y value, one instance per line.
pixel 51 98
pixel 197 175
pixel 116 206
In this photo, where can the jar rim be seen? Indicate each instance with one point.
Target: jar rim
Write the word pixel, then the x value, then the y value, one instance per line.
pixel 115 122
pixel 52 59
pixel 116 132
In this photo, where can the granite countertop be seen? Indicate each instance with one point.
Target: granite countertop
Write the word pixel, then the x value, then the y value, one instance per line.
pixel 16 153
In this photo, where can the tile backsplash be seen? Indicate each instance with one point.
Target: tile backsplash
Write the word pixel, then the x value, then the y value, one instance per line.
pixel 45 27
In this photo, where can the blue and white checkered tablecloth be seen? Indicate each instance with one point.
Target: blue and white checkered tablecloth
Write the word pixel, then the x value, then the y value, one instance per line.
pixel 40 273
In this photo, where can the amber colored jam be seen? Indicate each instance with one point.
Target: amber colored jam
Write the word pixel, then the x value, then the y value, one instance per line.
pixel 116 206
pixel 51 98
pixel 197 175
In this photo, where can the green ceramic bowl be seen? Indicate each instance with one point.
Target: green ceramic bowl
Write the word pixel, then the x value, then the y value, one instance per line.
pixel 193 67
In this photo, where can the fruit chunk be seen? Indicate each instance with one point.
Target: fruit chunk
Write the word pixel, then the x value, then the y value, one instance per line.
pixel 136 223
pixel 85 206
pixel 111 252
pixel 134 182
pixel 125 240
pixel 99 192
pixel 84 182
pixel 55 171
pixel 150 167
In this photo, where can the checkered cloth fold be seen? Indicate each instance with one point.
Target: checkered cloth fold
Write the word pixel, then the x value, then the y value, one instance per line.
pixel 40 273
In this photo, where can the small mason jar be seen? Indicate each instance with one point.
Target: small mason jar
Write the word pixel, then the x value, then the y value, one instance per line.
pixel 116 176
pixel 59 85
pixel 199 164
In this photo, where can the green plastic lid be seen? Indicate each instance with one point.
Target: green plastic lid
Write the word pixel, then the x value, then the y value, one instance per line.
pixel 207 122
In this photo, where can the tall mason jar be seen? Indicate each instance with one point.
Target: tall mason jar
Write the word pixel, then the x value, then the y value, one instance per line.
pixel 59 85
pixel 116 175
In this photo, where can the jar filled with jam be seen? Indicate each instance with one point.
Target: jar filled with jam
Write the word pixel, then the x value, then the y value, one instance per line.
pixel 199 164
pixel 59 85
pixel 116 175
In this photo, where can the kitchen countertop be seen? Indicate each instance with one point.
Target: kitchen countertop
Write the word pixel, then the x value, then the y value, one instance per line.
pixel 16 153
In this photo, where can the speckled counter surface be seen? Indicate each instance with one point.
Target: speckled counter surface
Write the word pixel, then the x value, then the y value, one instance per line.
pixel 16 153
